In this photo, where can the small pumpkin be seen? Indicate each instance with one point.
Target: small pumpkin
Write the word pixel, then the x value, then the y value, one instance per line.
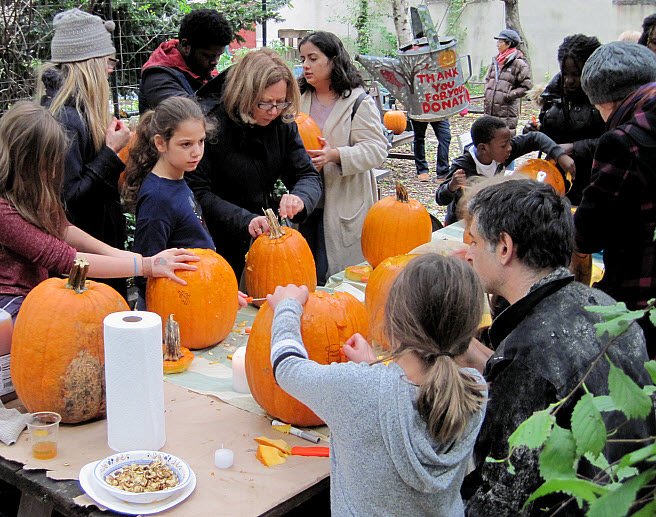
pixel 394 226
pixel 396 121
pixel 176 358
pixel 377 292
pixel 543 171
pixel 280 257
pixel 309 131
pixel 328 321
pixel 58 352
pixel 446 58
pixel 206 308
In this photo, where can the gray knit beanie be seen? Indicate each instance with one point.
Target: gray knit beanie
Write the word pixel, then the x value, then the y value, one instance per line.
pixel 80 36
pixel 617 69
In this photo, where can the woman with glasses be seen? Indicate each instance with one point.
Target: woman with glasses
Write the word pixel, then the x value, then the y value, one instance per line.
pixel 256 144
pixel 353 144
pixel 74 87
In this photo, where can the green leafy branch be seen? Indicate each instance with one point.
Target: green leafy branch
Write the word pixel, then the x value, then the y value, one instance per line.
pixel 619 487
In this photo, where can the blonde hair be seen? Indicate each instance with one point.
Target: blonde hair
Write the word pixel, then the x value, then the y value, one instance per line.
pixel 248 79
pixel 630 36
pixel 32 150
pixel 164 120
pixel 83 84
pixel 433 310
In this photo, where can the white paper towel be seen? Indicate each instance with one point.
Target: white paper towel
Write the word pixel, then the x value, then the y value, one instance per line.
pixel 134 381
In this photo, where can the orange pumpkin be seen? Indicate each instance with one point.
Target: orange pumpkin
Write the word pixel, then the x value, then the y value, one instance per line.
pixel 309 131
pixel 124 154
pixel 393 226
pixel 395 121
pixel 543 171
pixel 282 257
pixel 378 288
pixel 176 358
pixel 328 321
pixel 446 58
pixel 58 353
pixel 206 308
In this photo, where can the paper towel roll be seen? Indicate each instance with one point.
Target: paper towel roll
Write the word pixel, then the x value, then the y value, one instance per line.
pixel 134 381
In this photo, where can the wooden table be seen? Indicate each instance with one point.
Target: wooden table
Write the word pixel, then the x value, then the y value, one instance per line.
pixel 196 425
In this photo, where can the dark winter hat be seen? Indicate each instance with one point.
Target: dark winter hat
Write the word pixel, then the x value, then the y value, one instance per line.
pixel 509 35
pixel 80 36
pixel 617 69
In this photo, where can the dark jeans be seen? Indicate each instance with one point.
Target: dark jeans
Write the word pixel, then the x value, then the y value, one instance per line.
pixel 442 131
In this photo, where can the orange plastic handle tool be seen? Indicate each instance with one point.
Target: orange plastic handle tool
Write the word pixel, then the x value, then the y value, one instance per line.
pixel 320 451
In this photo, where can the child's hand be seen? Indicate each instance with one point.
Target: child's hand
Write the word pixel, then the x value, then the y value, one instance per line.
pixel 567 164
pixel 258 226
pixel 357 349
pixel 166 262
pixel 290 205
pixel 298 293
pixel 117 135
pixel 242 299
pixel 458 181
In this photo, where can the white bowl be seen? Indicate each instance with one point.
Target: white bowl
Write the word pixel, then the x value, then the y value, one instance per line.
pixel 123 459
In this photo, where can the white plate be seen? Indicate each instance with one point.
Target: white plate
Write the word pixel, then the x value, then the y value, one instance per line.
pixel 101 496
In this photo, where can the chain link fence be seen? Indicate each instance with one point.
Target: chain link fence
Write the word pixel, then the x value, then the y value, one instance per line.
pixel 26 32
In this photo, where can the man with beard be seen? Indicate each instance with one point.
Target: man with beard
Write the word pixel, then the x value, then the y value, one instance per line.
pixel 180 67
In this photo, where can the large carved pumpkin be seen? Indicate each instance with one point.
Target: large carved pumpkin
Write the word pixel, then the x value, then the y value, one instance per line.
pixel 309 131
pixel 328 321
pixel 394 226
pixel 396 121
pixel 205 308
pixel 543 171
pixel 282 257
pixel 378 288
pixel 57 353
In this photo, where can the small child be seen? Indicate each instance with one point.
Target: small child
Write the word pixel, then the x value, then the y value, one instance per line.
pixel 401 435
pixel 35 236
pixel 493 147
pixel 170 141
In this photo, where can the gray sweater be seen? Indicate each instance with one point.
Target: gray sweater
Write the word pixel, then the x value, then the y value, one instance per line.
pixel 383 460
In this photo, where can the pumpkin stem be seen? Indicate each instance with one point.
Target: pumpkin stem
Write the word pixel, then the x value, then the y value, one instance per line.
pixel 275 230
pixel 78 276
pixel 172 351
pixel 401 193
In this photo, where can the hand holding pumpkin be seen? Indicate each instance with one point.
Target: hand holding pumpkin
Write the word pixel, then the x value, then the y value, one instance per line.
pixel 294 292
pixel 567 164
pixel 166 262
pixel 258 226
pixel 290 205
pixel 358 350
pixel 326 154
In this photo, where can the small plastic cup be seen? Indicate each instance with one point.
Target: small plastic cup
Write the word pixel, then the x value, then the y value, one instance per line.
pixel 44 429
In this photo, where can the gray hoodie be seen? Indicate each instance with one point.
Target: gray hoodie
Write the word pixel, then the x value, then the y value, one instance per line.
pixel 383 460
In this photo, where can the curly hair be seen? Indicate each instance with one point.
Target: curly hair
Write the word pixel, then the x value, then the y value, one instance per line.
pixel 164 120
pixel 344 76
pixel 578 47
pixel 204 28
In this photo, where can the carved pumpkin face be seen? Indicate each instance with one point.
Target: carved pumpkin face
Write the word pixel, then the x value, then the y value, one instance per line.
pixel 446 58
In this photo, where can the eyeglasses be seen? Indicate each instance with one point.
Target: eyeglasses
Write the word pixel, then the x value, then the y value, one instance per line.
pixel 268 106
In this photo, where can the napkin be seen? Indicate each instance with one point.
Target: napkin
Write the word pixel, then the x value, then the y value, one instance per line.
pixel 12 423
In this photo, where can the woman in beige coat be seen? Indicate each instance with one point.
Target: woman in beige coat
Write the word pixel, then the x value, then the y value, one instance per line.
pixel 353 144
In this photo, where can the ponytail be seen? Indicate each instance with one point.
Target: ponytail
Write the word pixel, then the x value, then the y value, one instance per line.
pixel 447 399
pixel 142 158
pixel 433 311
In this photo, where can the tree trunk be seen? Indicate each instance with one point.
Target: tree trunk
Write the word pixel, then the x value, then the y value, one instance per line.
pixel 362 27
pixel 401 23
pixel 512 22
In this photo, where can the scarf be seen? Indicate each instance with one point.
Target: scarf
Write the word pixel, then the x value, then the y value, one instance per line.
pixel 506 54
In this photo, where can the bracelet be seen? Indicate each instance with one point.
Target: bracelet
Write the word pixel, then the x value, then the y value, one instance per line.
pixel 134 259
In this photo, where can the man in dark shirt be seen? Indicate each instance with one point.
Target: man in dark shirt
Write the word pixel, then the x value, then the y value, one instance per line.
pixel 544 342
pixel 180 67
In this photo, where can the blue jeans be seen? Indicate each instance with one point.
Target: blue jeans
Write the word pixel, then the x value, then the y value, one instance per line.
pixel 442 130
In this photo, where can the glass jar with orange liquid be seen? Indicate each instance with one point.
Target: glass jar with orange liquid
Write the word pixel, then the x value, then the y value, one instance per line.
pixel 44 428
